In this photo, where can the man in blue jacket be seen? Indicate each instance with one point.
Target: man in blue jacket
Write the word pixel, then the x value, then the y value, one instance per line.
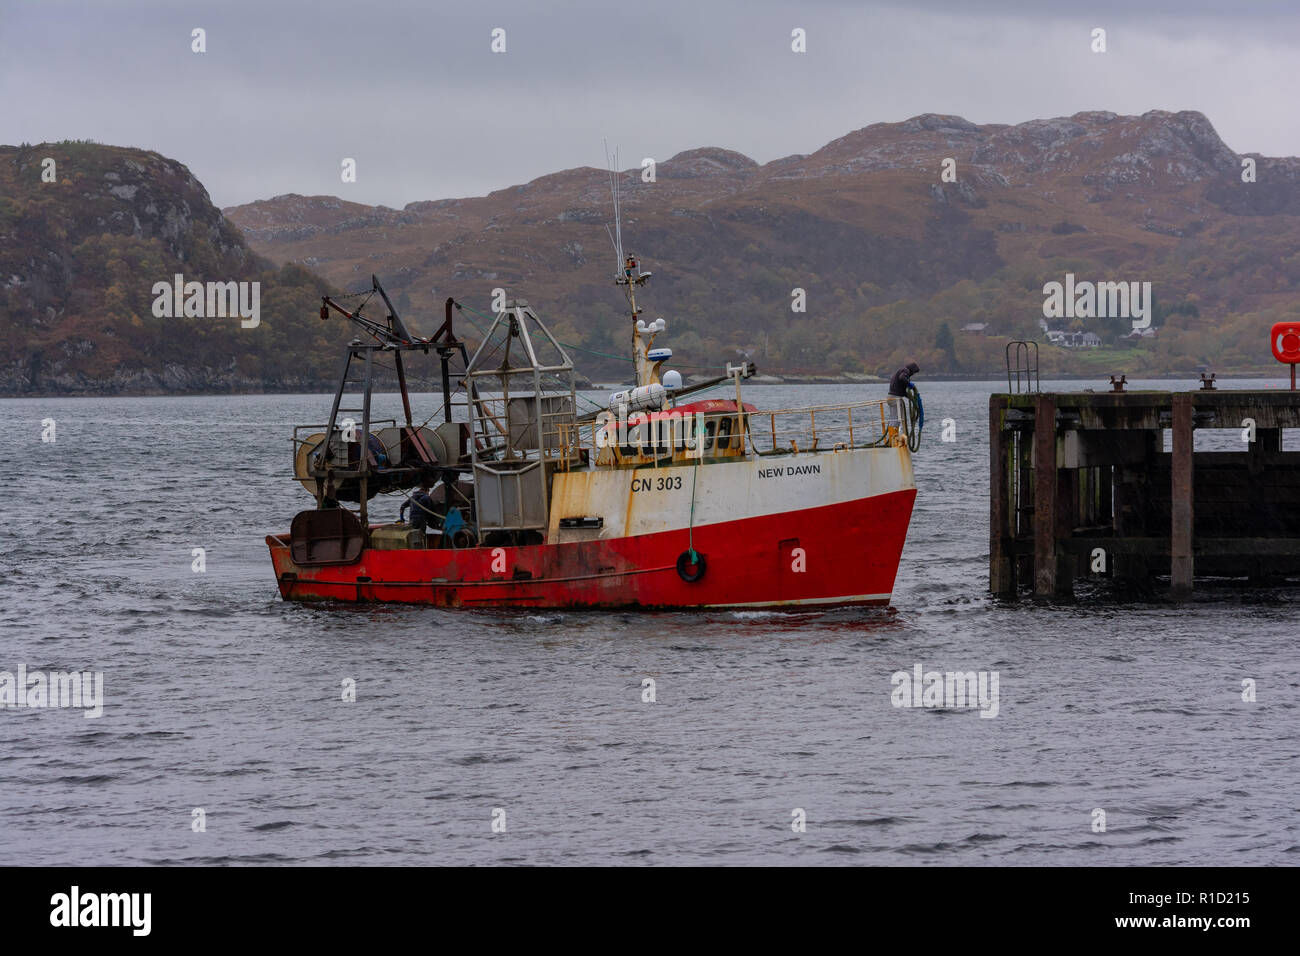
pixel 898 386
pixel 903 378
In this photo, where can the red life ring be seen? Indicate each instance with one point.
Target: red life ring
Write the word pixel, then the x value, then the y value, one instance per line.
pixel 1286 342
pixel 690 569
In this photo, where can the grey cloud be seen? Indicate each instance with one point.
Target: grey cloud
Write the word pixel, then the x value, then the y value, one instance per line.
pixel 412 92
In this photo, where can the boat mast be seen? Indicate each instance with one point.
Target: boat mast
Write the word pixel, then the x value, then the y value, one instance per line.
pixel 628 274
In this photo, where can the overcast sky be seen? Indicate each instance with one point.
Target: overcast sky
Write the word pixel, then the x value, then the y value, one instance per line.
pixel 413 92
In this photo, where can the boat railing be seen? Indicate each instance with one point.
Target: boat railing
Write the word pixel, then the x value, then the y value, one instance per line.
pixel 867 424
pixel 877 423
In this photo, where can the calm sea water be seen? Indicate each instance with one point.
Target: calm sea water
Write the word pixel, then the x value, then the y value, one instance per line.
pixel 220 696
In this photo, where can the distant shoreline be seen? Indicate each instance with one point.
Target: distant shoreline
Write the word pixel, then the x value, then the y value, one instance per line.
pixel 1280 378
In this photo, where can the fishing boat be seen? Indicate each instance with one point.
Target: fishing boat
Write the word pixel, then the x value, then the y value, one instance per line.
pixel 659 497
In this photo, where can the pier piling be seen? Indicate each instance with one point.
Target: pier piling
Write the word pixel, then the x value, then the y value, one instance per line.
pixel 1181 501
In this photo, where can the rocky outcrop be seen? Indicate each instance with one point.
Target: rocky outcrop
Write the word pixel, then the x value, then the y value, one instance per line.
pixel 86 231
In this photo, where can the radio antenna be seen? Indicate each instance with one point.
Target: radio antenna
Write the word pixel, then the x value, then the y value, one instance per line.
pixel 616 237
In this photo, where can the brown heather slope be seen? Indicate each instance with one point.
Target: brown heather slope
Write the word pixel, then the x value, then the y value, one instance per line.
pixel 78 260
pixel 887 253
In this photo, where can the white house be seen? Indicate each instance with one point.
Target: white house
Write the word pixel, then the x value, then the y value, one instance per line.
pixel 1074 340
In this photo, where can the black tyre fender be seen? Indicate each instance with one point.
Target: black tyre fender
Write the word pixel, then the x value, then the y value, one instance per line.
pixel 690 570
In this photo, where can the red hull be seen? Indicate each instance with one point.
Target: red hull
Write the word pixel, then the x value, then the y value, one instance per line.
pixel 849 554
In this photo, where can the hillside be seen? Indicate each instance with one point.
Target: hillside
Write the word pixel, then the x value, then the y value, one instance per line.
pixel 893 261
pixel 79 257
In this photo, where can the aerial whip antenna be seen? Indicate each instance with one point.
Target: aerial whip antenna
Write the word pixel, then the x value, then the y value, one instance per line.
pixel 617 236
pixel 630 276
